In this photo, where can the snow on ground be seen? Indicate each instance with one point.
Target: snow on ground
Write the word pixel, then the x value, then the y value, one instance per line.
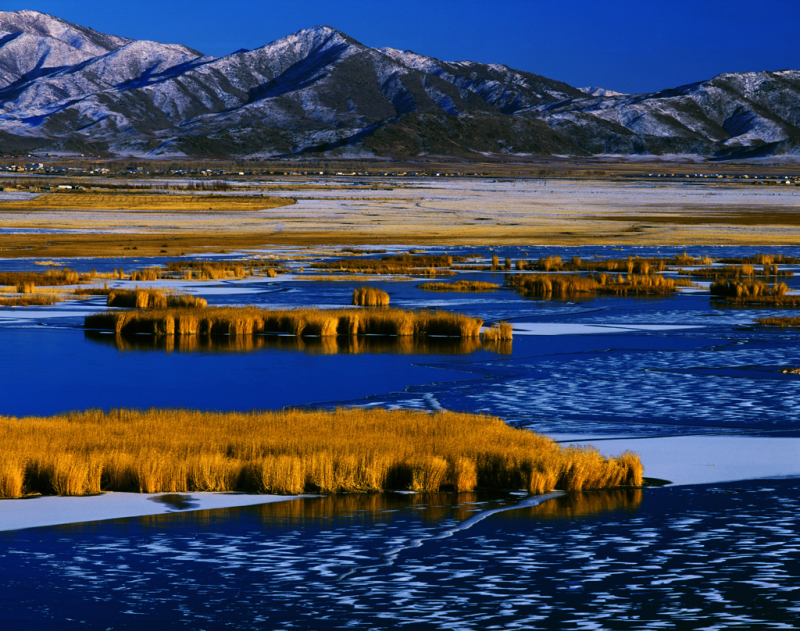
pixel 707 459
pixel 54 511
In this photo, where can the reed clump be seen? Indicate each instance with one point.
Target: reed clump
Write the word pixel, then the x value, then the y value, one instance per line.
pixel 24 281
pixel 783 322
pixel 565 286
pixel 754 292
pixel 763 259
pixel 291 451
pixel 460 285
pixel 29 300
pixel 148 273
pixel 152 299
pixel 253 320
pixel 213 270
pixel 92 291
pixel 500 331
pixel 737 271
pixel 370 297
pixel 398 264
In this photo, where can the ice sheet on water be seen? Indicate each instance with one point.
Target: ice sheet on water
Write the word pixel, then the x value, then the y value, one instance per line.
pixel 52 511
pixel 560 328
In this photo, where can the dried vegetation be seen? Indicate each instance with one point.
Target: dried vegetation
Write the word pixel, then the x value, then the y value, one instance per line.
pixel 565 286
pixel 370 297
pixel 253 320
pixel 460 285
pixel 152 299
pixel 352 450
pixel 753 292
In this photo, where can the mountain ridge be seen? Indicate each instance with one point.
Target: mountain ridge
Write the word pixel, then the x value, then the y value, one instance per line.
pixel 321 91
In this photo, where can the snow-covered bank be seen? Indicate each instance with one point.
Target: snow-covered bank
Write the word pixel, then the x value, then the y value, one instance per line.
pixel 56 511
pixel 708 459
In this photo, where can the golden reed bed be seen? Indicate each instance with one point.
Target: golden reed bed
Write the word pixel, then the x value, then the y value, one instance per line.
pixel 292 451
pixel 460 286
pixel 253 320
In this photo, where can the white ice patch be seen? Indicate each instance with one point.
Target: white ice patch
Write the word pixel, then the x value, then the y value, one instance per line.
pixel 709 459
pixel 559 328
pixel 56 511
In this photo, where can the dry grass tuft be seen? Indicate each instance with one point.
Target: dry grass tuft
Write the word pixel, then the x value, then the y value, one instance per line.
pixel 500 331
pixel 148 273
pixel 754 292
pixel 370 297
pixel 51 278
pixel 152 299
pixel 92 291
pixel 30 300
pixel 293 451
pixel 460 285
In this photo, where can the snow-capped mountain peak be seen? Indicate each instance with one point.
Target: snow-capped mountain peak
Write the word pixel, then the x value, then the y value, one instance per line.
pixel 79 37
pixel 320 90
pixel 597 91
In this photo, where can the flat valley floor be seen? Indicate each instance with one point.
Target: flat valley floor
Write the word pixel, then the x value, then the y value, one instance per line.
pixel 694 385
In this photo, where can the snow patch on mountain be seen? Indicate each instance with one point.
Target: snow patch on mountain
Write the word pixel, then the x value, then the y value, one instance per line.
pixel 79 37
pixel 597 91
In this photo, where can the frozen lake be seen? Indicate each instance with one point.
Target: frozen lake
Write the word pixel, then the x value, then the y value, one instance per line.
pixel 693 386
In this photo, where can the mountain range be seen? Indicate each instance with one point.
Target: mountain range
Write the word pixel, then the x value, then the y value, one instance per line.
pixel 65 87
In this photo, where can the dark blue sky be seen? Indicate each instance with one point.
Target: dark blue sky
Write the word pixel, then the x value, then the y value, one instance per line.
pixel 617 44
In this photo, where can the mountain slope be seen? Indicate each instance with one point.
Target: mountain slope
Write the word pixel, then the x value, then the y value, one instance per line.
pixel 715 117
pixel 319 90
pixel 79 37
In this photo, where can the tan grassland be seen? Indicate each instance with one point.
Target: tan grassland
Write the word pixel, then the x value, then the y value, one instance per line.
pixel 435 211
pixel 355 450
pixel 155 202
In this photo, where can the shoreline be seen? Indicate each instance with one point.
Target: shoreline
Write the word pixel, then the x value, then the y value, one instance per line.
pixel 55 510
pixel 680 460
pixel 688 460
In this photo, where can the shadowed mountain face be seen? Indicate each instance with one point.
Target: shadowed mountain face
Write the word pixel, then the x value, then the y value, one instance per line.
pixel 319 90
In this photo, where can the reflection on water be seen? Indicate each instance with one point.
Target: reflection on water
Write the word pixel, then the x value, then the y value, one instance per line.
pixel 370 508
pixel 574 505
pixel 331 345
pixel 435 507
